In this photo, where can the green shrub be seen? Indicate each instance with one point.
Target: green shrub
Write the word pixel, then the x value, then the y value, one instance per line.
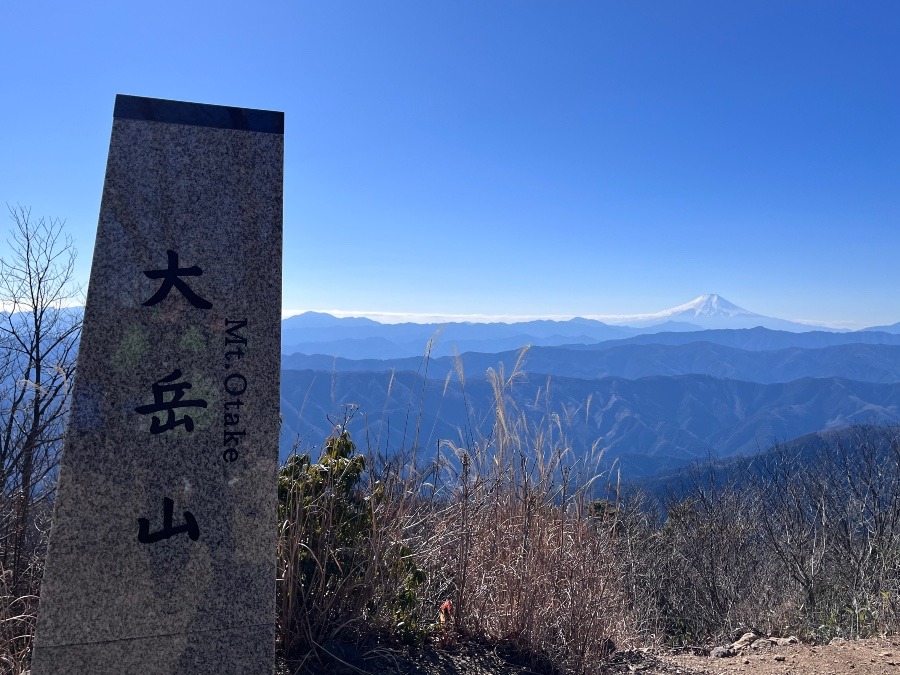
pixel 345 571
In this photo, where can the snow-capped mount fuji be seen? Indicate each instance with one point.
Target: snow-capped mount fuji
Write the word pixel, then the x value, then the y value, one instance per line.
pixel 713 311
pixel 710 306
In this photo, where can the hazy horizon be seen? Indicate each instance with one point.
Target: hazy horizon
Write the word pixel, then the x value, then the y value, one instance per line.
pixel 613 319
pixel 426 318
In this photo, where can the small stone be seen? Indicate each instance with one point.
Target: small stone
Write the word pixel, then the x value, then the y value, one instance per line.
pixel 780 657
pixel 781 642
pixel 722 652
pixel 745 640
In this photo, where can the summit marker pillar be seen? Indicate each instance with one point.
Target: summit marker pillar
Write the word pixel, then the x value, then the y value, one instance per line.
pixel 162 548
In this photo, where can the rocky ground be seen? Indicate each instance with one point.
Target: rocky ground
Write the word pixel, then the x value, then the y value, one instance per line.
pixel 755 656
pixel 840 657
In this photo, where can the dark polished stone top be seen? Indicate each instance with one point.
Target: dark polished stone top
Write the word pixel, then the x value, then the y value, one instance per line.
pixel 198 114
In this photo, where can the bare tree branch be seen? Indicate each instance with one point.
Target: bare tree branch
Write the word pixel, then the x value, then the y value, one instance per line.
pixel 39 331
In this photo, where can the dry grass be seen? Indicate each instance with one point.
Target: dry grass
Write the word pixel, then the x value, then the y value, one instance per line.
pixel 516 543
pixel 503 527
pixel 18 616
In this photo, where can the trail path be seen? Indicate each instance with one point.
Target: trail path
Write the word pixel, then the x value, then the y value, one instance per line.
pixel 858 657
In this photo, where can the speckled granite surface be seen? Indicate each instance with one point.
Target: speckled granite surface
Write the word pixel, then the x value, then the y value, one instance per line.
pixel 162 552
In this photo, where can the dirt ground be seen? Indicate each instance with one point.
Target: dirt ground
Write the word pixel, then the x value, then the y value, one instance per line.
pixel 841 657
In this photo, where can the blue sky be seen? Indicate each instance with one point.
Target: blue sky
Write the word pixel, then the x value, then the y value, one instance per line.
pixel 509 158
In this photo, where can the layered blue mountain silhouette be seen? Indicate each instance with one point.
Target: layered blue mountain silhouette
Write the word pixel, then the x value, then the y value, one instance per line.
pixel 361 338
pixel 651 392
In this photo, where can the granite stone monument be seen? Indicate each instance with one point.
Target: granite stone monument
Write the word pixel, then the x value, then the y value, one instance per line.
pixel 162 548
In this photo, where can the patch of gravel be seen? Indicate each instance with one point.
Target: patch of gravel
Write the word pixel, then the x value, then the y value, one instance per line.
pixel 875 656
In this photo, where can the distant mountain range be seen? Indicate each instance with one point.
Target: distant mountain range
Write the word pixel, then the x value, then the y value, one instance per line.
pixel 646 425
pixel 802 453
pixel 755 339
pixel 893 328
pixel 706 379
pixel 863 362
pixel 362 338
